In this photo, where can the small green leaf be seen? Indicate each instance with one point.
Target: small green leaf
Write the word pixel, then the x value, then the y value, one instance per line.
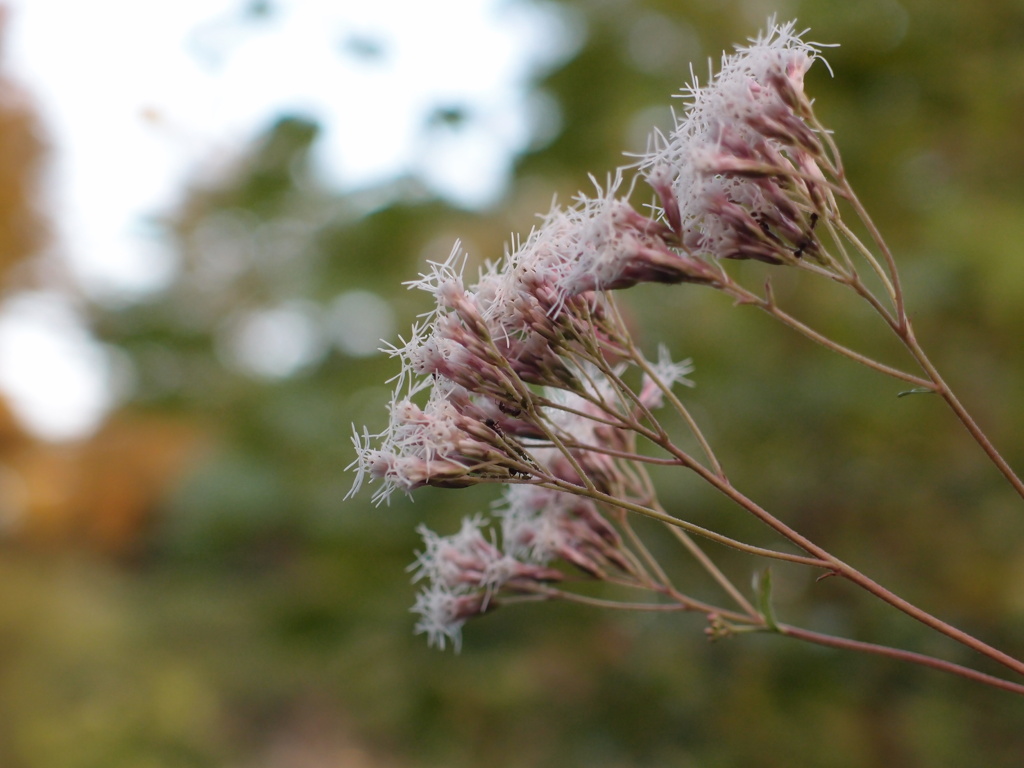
pixel 916 391
pixel 763 584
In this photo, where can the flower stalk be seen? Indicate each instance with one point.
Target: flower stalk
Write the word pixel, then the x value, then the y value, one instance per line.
pixel 530 379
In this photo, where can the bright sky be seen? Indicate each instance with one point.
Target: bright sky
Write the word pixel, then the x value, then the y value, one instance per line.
pixel 138 96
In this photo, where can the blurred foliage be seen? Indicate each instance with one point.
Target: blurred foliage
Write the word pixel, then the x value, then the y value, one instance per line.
pixel 259 620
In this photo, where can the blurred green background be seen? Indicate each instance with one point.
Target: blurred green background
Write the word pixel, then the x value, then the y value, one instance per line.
pixel 190 589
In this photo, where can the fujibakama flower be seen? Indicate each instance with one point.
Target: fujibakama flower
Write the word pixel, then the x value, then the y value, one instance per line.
pixel 445 282
pixel 378 458
pixel 525 294
pixel 453 340
pixel 463 574
pixel 614 246
pixel 443 612
pixel 462 562
pixel 668 373
pixel 486 336
pixel 436 445
pixel 541 525
pixel 737 179
pixel 737 176
pixel 467 561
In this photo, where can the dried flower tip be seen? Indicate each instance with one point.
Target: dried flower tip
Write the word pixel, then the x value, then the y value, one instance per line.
pixel 664 375
pixel 468 562
pixel 436 445
pixel 744 130
pixel 540 525
pixel 462 561
pixel 442 614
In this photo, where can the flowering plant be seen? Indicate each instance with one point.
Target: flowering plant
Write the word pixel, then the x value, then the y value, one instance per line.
pixel 529 378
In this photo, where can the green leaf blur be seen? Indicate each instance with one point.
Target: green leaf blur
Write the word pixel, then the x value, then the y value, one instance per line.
pixel 257 619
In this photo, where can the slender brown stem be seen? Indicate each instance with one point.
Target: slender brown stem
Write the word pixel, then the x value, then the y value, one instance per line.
pixel 701 556
pixel 855 576
pixel 647 487
pixel 775 311
pixel 895 287
pixel 639 546
pixel 680 603
pixel 900 655
pixel 902 327
pixel 858 286
pixel 562 485
pixel 946 393
pixel 681 409
pixel 638 458
pixel 841 568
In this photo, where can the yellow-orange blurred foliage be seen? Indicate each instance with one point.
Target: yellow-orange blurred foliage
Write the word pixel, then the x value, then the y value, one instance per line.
pixel 100 492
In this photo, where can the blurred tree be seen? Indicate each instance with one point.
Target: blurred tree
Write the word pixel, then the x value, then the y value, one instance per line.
pixel 267 608
pixel 22 151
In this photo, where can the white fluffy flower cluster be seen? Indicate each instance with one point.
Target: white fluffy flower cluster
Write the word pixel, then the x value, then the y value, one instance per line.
pixel 516 366
pixel 463 572
pixel 733 176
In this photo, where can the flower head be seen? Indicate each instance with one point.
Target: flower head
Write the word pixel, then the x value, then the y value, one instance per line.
pixel 736 176
pixel 443 612
pixel 615 246
pixel 464 561
pixel 540 525
pixel 463 573
pixel 444 444
pixel 665 374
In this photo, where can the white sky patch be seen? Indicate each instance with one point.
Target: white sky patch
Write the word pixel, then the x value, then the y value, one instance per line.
pixel 360 322
pixel 57 378
pixel 274 343
pixel 138 97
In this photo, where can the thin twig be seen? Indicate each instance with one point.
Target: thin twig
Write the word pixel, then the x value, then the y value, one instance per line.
pixel 860 579
pixel 748 297
pixel 563 485
pixel 946 393
pixel 900 655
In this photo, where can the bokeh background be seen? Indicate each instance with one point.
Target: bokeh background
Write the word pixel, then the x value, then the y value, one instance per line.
pixel 182 583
